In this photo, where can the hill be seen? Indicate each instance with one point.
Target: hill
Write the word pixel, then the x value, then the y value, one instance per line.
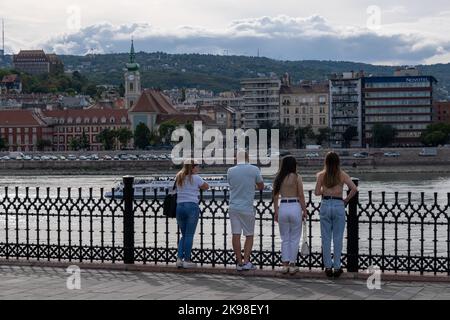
pixel 222 73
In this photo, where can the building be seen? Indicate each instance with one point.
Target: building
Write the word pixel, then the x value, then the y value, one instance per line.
pixel 37 62
pixel 70 124
pixel 150 104
pixel 222 117
pixel 261 102
pixel 11 83
pixel 22 129
pixel 441 112
pixel 132 80
pixel 404 102
pixel 304 105
pixel 346 108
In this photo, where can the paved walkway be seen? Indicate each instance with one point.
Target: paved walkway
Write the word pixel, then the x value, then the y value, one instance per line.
pixel 25 282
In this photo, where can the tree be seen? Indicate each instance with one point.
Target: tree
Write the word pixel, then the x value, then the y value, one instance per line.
pixel 348 136
pixel 121 90
pixel 436 134
pixel 74 144
pixel 286 133
pixel 142 136
pixel 3 144
pixel 165 130
pixel 323 135
pixel 84 142
pixel 107 138
pixel 42 144
pixel 124 135
pixel 300 135
pixel 383 135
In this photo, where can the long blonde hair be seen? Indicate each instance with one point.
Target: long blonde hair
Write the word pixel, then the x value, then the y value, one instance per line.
pixel 186 171
pixel 332 170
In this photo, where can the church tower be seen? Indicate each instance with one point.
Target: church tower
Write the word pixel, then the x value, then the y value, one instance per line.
pixel 132 80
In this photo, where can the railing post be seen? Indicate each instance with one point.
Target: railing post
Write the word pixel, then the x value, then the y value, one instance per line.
pixel 128 220
pixel 353 232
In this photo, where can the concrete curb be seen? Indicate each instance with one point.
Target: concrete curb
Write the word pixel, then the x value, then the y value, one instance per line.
pixel 313 274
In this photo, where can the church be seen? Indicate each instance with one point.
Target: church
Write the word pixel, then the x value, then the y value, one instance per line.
pixel 151 106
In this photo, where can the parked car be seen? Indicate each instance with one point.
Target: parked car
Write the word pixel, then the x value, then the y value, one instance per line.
pixel 312 155
pixel 428 152
pixel 392 154
pixel 361 155
pixel 107 158
pixel 71 157
pixel 83 158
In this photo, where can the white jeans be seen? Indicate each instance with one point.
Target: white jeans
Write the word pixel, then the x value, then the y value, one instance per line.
pixel 290 222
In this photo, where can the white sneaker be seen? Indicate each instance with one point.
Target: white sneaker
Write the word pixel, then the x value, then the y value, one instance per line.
pixel 293 269
pixel 284 269
pixel 239 267
pixel 179 263
pixel 248 266
pixel 189 265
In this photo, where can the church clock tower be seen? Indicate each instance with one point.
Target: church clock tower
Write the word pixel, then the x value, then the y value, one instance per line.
pixel 132 80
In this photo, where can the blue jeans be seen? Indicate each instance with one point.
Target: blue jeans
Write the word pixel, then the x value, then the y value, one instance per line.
pixel 332 225
pixel 187 219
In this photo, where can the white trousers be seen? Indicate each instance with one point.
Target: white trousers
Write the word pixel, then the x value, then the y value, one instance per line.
pixel 290 222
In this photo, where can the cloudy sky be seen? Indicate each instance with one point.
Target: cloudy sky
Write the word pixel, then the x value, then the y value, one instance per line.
pixel 377 31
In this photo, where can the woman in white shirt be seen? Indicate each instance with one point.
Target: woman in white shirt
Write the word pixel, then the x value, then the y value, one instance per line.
pixel 188 185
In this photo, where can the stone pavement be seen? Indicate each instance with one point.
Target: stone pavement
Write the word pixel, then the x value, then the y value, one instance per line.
pixel 35 282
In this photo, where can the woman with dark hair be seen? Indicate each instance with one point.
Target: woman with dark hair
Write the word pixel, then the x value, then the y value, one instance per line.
pixel 330 185
pixel 288 186
pixel 188 184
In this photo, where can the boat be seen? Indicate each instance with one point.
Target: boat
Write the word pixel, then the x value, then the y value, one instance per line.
pixel 159 186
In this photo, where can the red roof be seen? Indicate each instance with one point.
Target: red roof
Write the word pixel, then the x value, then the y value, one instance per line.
pixel 153 101
pixel 183 118
pixel 10 78
pixel 24 118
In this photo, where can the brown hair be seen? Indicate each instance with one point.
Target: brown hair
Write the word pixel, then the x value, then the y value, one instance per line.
pixel 332 170
pixel 288 166
pixel 186 171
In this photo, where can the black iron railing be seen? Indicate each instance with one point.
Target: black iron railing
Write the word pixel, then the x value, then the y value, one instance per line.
pixel 395 233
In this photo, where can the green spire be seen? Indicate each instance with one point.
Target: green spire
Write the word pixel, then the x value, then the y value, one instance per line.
pixel 132 53
pixel 132 65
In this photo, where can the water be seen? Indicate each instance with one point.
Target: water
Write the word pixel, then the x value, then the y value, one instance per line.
pixel 377 183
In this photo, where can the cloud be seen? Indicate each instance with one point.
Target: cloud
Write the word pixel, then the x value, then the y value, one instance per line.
pixel 279 37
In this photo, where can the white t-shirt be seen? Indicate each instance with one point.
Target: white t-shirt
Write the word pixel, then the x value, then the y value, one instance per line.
pixel 190 191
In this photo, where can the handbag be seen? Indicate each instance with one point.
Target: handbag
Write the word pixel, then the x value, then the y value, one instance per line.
pixel 170 203
pixel 305 247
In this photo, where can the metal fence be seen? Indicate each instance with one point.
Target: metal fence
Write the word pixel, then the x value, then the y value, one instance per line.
pixel 396 234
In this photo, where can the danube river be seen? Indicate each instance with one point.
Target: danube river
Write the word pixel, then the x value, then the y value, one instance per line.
pixel 433 237
pixel 377 183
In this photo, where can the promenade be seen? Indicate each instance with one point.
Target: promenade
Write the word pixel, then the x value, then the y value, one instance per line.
pixel 50 283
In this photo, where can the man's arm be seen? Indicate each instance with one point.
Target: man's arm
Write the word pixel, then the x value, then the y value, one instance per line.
pixel 259 181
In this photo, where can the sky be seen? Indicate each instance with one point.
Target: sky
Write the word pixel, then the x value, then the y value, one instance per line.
pixel 378 31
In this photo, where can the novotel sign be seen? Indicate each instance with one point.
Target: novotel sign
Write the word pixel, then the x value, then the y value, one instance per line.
pixel 417 79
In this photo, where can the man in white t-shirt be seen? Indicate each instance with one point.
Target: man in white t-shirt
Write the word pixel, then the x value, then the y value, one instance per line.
pixel 243 178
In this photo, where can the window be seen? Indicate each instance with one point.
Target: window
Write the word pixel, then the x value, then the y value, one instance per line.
pixel 112 120
pixel 78 120
pixel 61 120
pixel 86 120
pixel 95 120
pixel 70 120
pixel 123 120
pixel 103 120
pixel 131 86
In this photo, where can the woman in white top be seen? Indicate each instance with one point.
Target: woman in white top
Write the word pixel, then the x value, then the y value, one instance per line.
pixel 188 184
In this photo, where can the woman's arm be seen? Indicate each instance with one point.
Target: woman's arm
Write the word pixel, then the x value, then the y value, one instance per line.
pixel 204 186
pixel 301 197
pixel 275 206
pixel 319 191
pixel 353 188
